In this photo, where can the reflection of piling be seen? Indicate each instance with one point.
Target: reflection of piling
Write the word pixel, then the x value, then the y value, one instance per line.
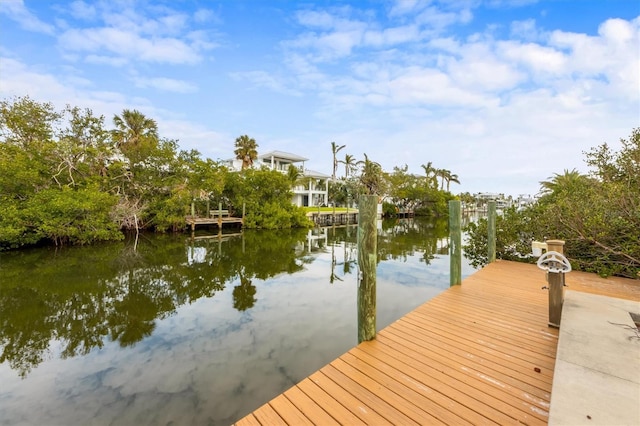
pixel 367 260
pixel 491 232
pixel 455 246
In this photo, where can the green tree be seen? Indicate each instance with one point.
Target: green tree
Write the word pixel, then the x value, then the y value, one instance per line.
pixel 561 182
pixel 334 150
pixel 294 174
pixel 371 177
pixel 135 135
pixel 431 174
pixel 27 123
pixel 267 196
pixel 596 215
pixel 349 165
pixel 246 150
pixel 452 178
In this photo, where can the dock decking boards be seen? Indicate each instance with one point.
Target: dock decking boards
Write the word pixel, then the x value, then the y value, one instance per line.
pixel 479 353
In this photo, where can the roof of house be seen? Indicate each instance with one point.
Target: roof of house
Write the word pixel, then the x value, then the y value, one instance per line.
pixel 283 155
pixel 314 174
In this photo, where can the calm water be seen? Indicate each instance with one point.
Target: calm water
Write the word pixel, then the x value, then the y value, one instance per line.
pixel 181 331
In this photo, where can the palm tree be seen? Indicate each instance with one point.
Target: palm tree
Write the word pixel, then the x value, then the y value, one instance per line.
pixel 430 173
pixel 371 177
pixel 349 164
pixel 135 134
pixel 246 150
pixel 452 178
pixel 335 149
pixel 561 182
pixel 442 174
pixel 293 174
pixel 132 128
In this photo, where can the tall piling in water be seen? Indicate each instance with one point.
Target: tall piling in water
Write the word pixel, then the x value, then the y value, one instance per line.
pixel 367 262
pixel 455 243
pixel 491 232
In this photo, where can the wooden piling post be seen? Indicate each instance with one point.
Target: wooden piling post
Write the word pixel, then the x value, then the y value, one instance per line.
pixel 367 262
pixel 193 209
pixel 455 243
pixel 219 215
pixel 491 231
pixel 556 287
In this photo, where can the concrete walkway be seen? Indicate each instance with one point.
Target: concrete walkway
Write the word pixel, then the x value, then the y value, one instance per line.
pixel 597 372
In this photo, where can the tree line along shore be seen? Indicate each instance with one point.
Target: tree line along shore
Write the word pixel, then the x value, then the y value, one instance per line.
pixel 66 178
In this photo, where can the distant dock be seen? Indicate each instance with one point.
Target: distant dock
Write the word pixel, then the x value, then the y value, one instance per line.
pixel 327 218
pixel 218 222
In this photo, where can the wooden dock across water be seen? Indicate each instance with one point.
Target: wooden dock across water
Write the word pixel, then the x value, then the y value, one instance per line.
pixel 479 353
pixel 213 221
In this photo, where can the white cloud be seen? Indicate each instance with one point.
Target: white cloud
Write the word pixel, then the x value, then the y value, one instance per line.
pixel 16 10
pixel 204 15
pixel 114 61
pixel 438 19
pixel 124 32
pixel 18 79
pixel 81 10
pixel 209 143
pixel 403 7
pixel 166 84
pixel 129 45
pixel 526 30
pixel 534 57
pixel 266 80
pixel 320 20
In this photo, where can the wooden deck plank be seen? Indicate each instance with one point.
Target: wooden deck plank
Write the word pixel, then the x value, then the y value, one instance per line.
pixel 267 416
pixel 309 407
pixel 357 406
pixel 289 412
pixel 486 404
pixel 249 420
pixel 480 323
pixel 486 345
pixel 477 386
pixel 466 372
pixel 370 395
pixel 479 353
pixel 391 396
pixel 440 346
pixel 438 404
pixel 512 343
pixel 322 398
pixel 435 413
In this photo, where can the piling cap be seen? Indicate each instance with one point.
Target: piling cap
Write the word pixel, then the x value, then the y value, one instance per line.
pixel 555 242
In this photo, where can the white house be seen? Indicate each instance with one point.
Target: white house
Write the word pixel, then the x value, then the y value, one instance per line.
pixel 313 187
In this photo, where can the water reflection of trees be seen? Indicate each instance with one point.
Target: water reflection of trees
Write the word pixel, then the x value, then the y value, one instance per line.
pixel 397 240
pixel 400 239
pixel 83 297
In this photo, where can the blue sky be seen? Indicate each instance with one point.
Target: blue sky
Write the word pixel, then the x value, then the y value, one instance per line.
pixel 504 93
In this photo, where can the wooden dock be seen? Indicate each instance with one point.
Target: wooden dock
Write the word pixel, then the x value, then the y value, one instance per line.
pixel 325 218
pixel 213 221
pixel 479 353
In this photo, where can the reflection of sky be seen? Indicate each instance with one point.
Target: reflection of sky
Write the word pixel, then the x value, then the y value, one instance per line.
pixel 209 363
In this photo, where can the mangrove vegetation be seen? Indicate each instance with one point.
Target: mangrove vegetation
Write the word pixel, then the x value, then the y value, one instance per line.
pixel 597 214
pixel 67 178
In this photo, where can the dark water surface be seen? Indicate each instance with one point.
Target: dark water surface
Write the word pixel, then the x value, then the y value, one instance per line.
pixel 181 331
